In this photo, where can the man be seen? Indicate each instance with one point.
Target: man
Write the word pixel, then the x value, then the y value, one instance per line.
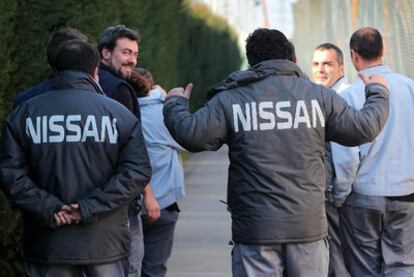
pixel 167 181
pixel 275 122
pixel 328 70
pixel 378 216
pixel 56 41
pixel 72 155
pixel 118 47
pixel 328 67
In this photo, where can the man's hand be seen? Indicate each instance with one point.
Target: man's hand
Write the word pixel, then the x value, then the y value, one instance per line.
pixel 68 215
pixel 76 213
pixel 151 205
pixel 61 217
pixel 371 79
pixel 181 92
pixel 161 89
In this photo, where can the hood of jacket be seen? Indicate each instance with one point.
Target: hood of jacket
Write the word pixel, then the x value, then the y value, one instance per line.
pixel 71 79
pixel 155 96
pixel 256 73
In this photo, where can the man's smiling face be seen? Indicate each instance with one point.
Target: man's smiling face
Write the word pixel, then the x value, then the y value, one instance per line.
pixel 123 57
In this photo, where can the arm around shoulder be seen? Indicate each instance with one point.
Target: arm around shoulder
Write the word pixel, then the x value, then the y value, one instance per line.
pixel 351 127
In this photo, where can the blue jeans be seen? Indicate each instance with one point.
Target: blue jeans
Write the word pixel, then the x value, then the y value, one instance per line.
pixel 158 242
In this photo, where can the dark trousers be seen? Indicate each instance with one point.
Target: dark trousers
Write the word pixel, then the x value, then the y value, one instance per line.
pixel 309 259
pixel 116 269
pixel 336 258
pixel 158 243
pixel 378 236
pixel 137 244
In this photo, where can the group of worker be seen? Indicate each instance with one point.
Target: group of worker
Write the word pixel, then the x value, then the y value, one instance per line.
pixel 321 175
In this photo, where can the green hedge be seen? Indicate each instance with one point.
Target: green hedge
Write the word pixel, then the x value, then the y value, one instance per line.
pixel 209 51
pixel 180 43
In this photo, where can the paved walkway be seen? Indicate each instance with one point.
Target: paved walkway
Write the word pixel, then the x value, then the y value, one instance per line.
pixel 203 230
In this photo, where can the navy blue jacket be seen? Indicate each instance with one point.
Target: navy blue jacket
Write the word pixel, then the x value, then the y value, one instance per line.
pixel 32 92
pixel 73 145
pixel 118 88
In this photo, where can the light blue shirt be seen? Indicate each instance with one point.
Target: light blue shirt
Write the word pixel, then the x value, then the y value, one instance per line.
pixel 384 167
pixel 339 86
pixel 167 181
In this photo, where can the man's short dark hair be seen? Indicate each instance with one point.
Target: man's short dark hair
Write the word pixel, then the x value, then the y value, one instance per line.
pixel 77 55
pixel 267 44
pixel 112 34
pixel 367 42
pixel 330 46
pixel 60 38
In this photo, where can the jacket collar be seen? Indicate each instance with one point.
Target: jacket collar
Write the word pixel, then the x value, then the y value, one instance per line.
pixel 109 69
pixel 70 79
pixel 381 69
pixel 255 73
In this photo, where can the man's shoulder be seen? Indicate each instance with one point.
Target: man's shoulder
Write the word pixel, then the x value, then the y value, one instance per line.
pixel 115 106
pixel 341 85
pixel 32 92
pixel 112 83
pixel 354 93
pixel 400 78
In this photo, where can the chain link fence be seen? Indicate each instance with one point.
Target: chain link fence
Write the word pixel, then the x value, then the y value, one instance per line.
pixel 319 21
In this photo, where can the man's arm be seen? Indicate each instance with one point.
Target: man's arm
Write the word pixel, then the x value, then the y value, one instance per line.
pixel 206 129
pixel 346 159
pixel 346 163
pixel 351 127
pixel 151 205
pixel 126 97
pixel 17 185
pixel 132 173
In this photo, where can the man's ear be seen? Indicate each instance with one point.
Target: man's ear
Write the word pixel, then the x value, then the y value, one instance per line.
pixel 95 74
pixel 106 54
pixel 354 56
pixel 342 69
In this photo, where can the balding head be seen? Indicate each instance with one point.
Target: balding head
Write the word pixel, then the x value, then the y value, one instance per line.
pixel 367 43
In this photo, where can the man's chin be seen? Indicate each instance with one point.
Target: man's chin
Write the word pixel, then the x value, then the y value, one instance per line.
pixel 322 82
pixel 125 74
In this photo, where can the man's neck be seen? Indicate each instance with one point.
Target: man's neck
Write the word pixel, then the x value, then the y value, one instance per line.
pixel 337 81
pixel 367 64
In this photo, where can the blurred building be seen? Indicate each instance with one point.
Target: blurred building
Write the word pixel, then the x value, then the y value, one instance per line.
pixel 334 21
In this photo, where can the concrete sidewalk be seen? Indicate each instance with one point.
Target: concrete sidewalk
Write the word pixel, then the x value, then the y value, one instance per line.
pixel 203 230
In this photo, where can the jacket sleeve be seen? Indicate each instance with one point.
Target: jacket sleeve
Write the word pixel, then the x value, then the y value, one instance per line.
pixel 206 129
pixel 346 163
pixel 351 127
pixel 329 168
pixel 170 142
pixel 14 177
pixel 132 174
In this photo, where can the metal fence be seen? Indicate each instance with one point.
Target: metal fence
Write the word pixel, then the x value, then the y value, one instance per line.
pixel 319 21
